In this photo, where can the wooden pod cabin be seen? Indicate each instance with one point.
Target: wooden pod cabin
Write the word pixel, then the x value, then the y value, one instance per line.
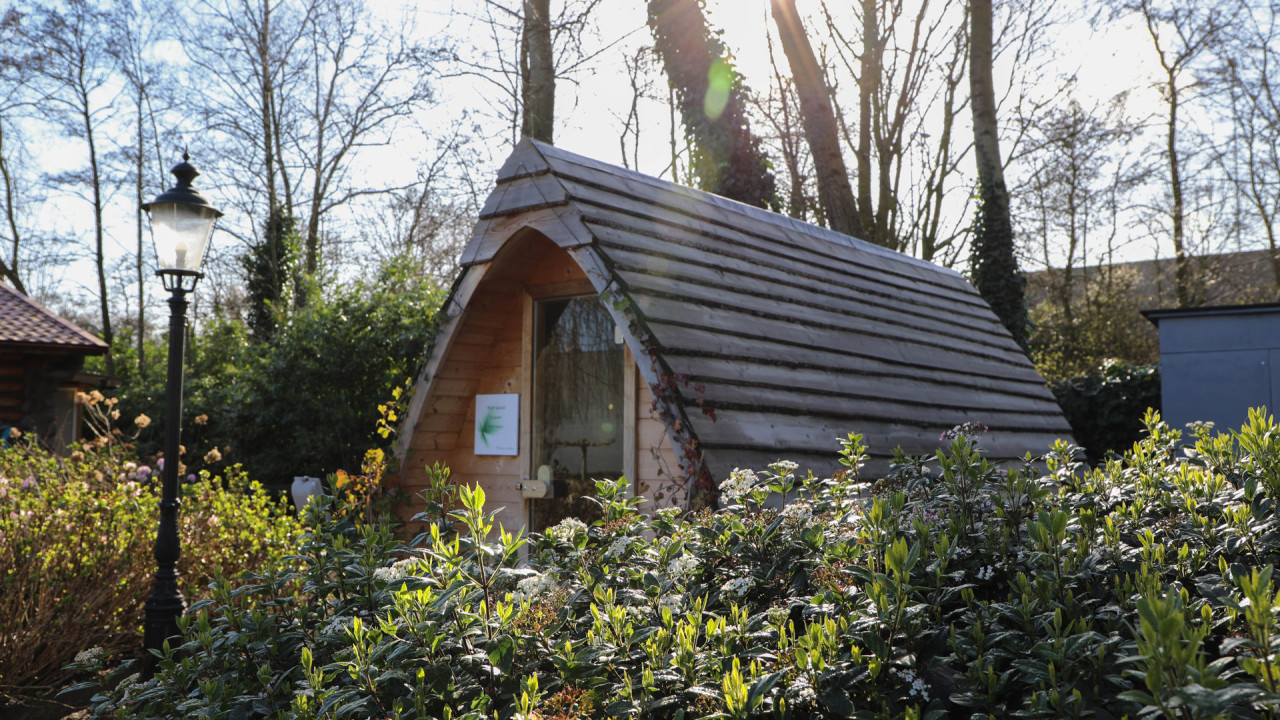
pixel 609 323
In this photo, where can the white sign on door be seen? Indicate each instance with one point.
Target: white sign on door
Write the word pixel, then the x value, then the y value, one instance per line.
pixel 497 424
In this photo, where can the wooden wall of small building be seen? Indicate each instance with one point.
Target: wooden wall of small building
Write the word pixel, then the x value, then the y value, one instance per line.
pixel 13 384
pixel 490 352
pixel 29 385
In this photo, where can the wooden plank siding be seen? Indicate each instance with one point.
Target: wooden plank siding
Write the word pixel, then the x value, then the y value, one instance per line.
pixel 657 471
pixel 491 352
pixel 795 335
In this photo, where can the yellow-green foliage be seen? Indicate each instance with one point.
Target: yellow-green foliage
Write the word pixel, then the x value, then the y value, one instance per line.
pixel 76 541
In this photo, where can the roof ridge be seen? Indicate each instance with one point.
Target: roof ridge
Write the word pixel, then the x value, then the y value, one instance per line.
pixel 10 296
pixel 550 153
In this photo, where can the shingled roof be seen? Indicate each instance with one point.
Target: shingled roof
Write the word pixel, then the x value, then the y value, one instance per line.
pixel 27 324
pixel 771 338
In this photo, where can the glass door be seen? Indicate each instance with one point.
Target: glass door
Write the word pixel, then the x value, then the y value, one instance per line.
pixel 577 406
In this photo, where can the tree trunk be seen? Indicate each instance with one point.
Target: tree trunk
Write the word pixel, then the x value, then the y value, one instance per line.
pixel 9 270
pixel 1182 271
pixel 994 267
pixel 266 91
pixel 834 192
pixel 98 234
pixel 139 168
pixel 868 85
pixel 726 157
pixel 537 72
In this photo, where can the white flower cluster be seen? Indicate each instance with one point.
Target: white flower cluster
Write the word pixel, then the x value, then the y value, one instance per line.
pixel 673 602
pixel 388 574
pixel 535 585
pixel 131 685
pixel 670 514
pixel 918 686
pixel 567 529
pixel 738 585
pixel 617 548
pixel 740 483
pixel 785 467
pixel 985 573
pixel 798 510
pixel 398 570
pixel 338 624
pixel 843 530
pixel 89 655
pixel 683 565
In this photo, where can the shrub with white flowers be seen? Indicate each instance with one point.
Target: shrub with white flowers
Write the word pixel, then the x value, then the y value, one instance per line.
pixel 1142 589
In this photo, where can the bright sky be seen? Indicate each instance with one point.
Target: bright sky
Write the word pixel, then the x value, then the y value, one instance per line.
pixel 590 111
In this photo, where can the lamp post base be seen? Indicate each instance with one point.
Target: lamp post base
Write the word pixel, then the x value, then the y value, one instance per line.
pixel 161 623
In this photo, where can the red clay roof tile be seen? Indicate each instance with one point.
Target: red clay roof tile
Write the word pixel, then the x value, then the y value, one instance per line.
pixel 26 322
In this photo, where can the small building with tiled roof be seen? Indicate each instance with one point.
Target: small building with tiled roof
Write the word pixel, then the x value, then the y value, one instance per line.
pixel 41 368
pixel 608 323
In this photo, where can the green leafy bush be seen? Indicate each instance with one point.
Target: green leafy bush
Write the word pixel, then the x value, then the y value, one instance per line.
pixel 1105 408
pixel 76 540
pixel 951 588
pixel 303 403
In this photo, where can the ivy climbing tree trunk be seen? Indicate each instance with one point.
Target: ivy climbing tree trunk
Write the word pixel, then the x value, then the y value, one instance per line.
pixel 726 155
pixel 835 195
pixel 993 265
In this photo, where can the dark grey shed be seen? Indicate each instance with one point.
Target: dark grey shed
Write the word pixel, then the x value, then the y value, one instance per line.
pixel 761 337
pixel 1217 362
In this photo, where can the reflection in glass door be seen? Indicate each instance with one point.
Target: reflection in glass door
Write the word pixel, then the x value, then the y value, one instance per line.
pixel 577 406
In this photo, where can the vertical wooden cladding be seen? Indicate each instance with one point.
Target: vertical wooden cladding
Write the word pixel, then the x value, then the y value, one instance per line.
pixel 488 353
pixel 657 478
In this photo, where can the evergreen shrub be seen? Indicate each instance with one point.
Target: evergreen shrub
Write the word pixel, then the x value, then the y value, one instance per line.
pixel 305 402
pixel 951 588
pixel 1105 408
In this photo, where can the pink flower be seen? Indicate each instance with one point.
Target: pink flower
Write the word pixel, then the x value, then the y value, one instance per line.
pixel 191 477
pixel 160 464
pixel 29 482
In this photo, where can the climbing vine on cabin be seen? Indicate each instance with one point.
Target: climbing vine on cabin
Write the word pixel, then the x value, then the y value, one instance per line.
pixel 666 406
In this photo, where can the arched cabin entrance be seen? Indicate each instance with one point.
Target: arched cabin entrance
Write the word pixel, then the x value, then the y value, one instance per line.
pixel 535 328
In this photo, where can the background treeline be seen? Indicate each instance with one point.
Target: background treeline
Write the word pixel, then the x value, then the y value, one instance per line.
pixel 351 143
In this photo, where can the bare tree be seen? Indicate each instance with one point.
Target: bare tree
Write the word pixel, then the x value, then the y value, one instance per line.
pixel 780 110
pixel 429 222
pixel 246 56
pixel 1183 36
pixel 9 267
pixel 1083 165
pixel 927 231
pixel 512 63
pixel 303 89
pixel 908 67
pixel 73 70
pixel 137 30
pixel 15 69
pixel 364 80
pixel 834 191
pixel 1254 84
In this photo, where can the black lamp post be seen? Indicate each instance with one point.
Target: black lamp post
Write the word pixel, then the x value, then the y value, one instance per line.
pixel 181 223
